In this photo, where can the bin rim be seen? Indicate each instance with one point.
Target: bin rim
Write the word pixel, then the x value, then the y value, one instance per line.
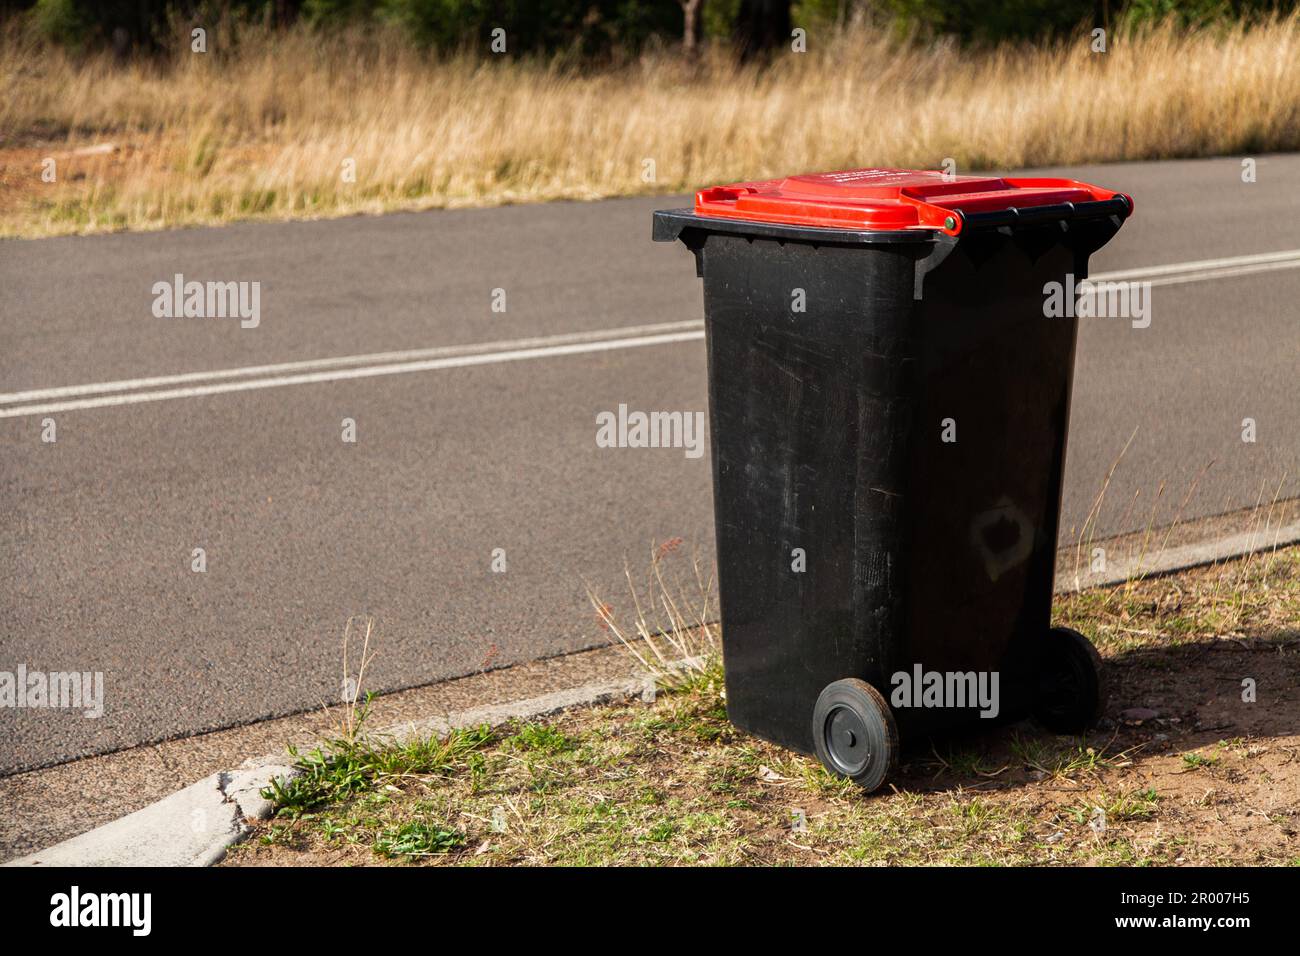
pixel 881 198
pixel 671 224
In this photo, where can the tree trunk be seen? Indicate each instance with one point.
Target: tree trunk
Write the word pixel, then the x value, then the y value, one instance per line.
pixel 691 10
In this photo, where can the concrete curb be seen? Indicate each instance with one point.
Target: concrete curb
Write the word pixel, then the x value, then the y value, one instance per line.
pixel 197 825
pixel 1183 558
pixel 192 827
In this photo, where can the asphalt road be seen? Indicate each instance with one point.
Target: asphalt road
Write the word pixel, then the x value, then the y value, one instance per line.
pixel 488 448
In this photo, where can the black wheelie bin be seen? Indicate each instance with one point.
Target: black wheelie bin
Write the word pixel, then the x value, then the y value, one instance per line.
pixel 888 401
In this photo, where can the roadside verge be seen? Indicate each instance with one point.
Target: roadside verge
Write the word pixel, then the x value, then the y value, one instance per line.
pixel 195 825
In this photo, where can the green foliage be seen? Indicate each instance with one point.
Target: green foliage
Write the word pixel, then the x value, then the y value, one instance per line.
pixel 600 28
pixel 817 14
pixel 587 27
pixel 1198 12
pixel 994 20
pixel 989 20
pixel 542 738
pixel 718 16
pixel 74 23
pixel 343 769
pixel 418 839
pixel 128 24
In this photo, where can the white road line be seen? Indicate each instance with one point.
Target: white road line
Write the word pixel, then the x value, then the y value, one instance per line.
pixel 446 351
pixel 485 353
pixel 463 361
pixel 1224 273
pixel 1287 256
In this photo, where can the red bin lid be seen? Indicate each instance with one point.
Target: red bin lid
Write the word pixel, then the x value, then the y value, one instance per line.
pixel 886 199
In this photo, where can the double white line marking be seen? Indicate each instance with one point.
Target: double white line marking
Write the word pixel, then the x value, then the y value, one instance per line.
pixel 159 388
pixel 1204 269
pixel 340 369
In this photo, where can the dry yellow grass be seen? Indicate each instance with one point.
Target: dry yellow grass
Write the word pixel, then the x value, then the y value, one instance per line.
pixel 265 131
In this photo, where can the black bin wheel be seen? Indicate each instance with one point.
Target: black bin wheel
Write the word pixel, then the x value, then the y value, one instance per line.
pixel 1071 685
pixel 855 733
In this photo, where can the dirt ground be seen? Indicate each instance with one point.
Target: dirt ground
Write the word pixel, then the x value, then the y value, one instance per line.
pixel 74 189
pixel 1187 767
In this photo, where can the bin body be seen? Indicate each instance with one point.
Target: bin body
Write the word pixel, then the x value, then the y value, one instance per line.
pixel 887 461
